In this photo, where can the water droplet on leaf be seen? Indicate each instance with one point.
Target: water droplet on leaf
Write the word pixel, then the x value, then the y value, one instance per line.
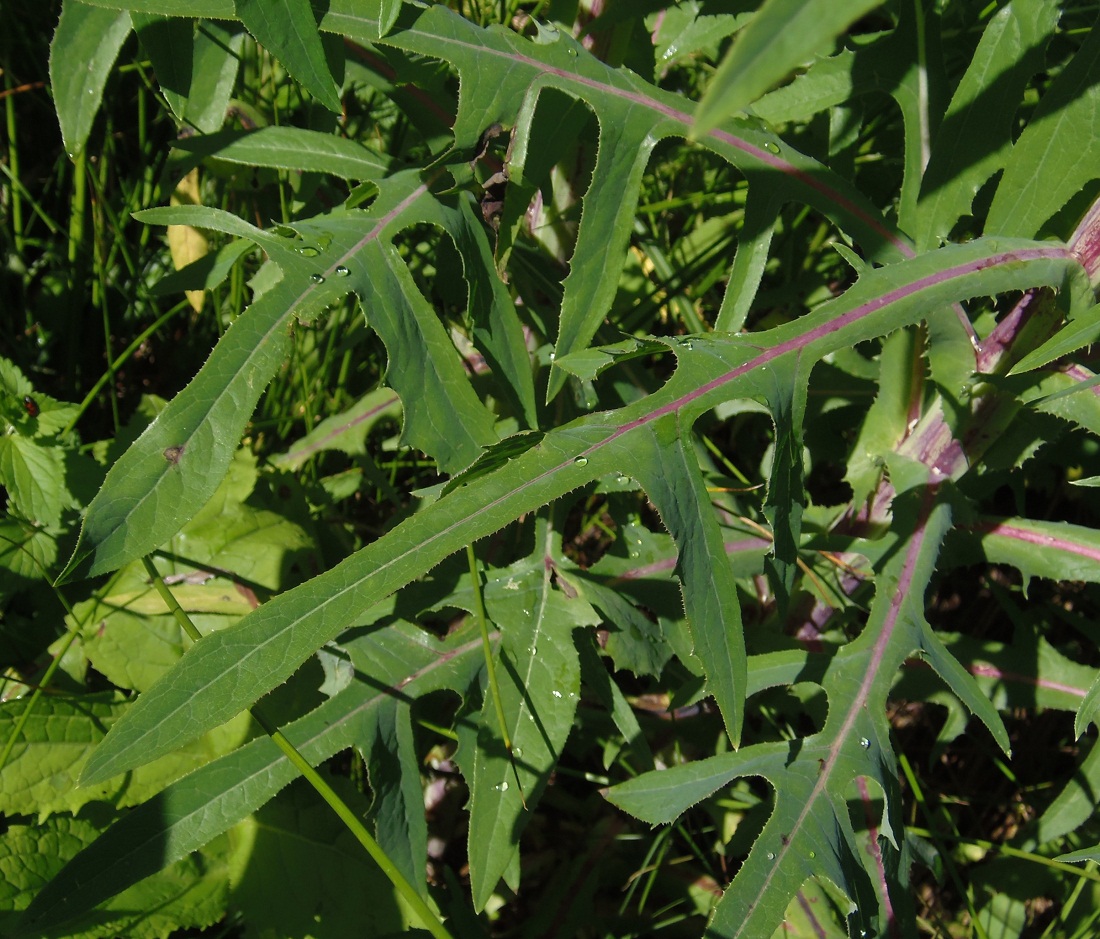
pixel 309 251
pixel 771 147
pixel 502 787
pixel 813 854
pixel 316 278
pixel 581 461
pixel 771 855
pixel 342 271
pixel 865 743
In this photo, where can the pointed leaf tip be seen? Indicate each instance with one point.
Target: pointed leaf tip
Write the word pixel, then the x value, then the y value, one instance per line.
pixel 782 36
pixel 289 31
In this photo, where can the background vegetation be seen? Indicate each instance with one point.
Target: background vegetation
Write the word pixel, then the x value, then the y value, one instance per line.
pixel 646 463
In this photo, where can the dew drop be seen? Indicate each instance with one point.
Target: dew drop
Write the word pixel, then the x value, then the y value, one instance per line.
pixel 308 252
pixel 771 147
pixel 865 743
pixel 813 854
pixel 316 278
pixel 571 51
pixel 581 461
pixel 687 345
pixel 517 752
pixel 771 855
pixel 502 787
pixel 342 271
pixel 623 480
pixel 556 693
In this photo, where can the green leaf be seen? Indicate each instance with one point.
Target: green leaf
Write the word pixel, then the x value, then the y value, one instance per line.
pixel 190 894
pixel 681 31
pixel 596 678
pixel 346 431
pixel 1079 332
pixel 889 415
pixel 825 84
pixel 670 475
pixel 196 66
pixel 225 561
pixel 82 53
pixel 211 9
pixel 179 461
pixel 1055 550
pixel 226 672
pixel 56 739
pixel 662 796
pixel 204 274
pixel 606 224
pixel 1083 854
pixel 216 55
pixel 538 672
pixel 809 832
pixel 34 476
pixel 181 458
pixel 786 498
pixel 1071 808
pixel 168 43
pixel 390 754
pixel 338 890
pixel 783 35
pixel 289 32
pixel 982 111
pixel 191 812
pixel 1057 153
pixel 388 12
pixel 502 76
pixel 291 148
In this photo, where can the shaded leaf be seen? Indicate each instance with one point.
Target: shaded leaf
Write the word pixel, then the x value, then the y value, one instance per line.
pixel 1057 153
pixel 976 135
pixel 225 672
pixel 188 814
pixel 783 35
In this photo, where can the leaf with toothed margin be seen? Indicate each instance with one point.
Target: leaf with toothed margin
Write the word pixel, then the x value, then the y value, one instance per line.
pixel 810 832
pixel 176 465
pixel 983 108
pixel 501 76
pixel 403 662
pixel 224 673
pixel 782 36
